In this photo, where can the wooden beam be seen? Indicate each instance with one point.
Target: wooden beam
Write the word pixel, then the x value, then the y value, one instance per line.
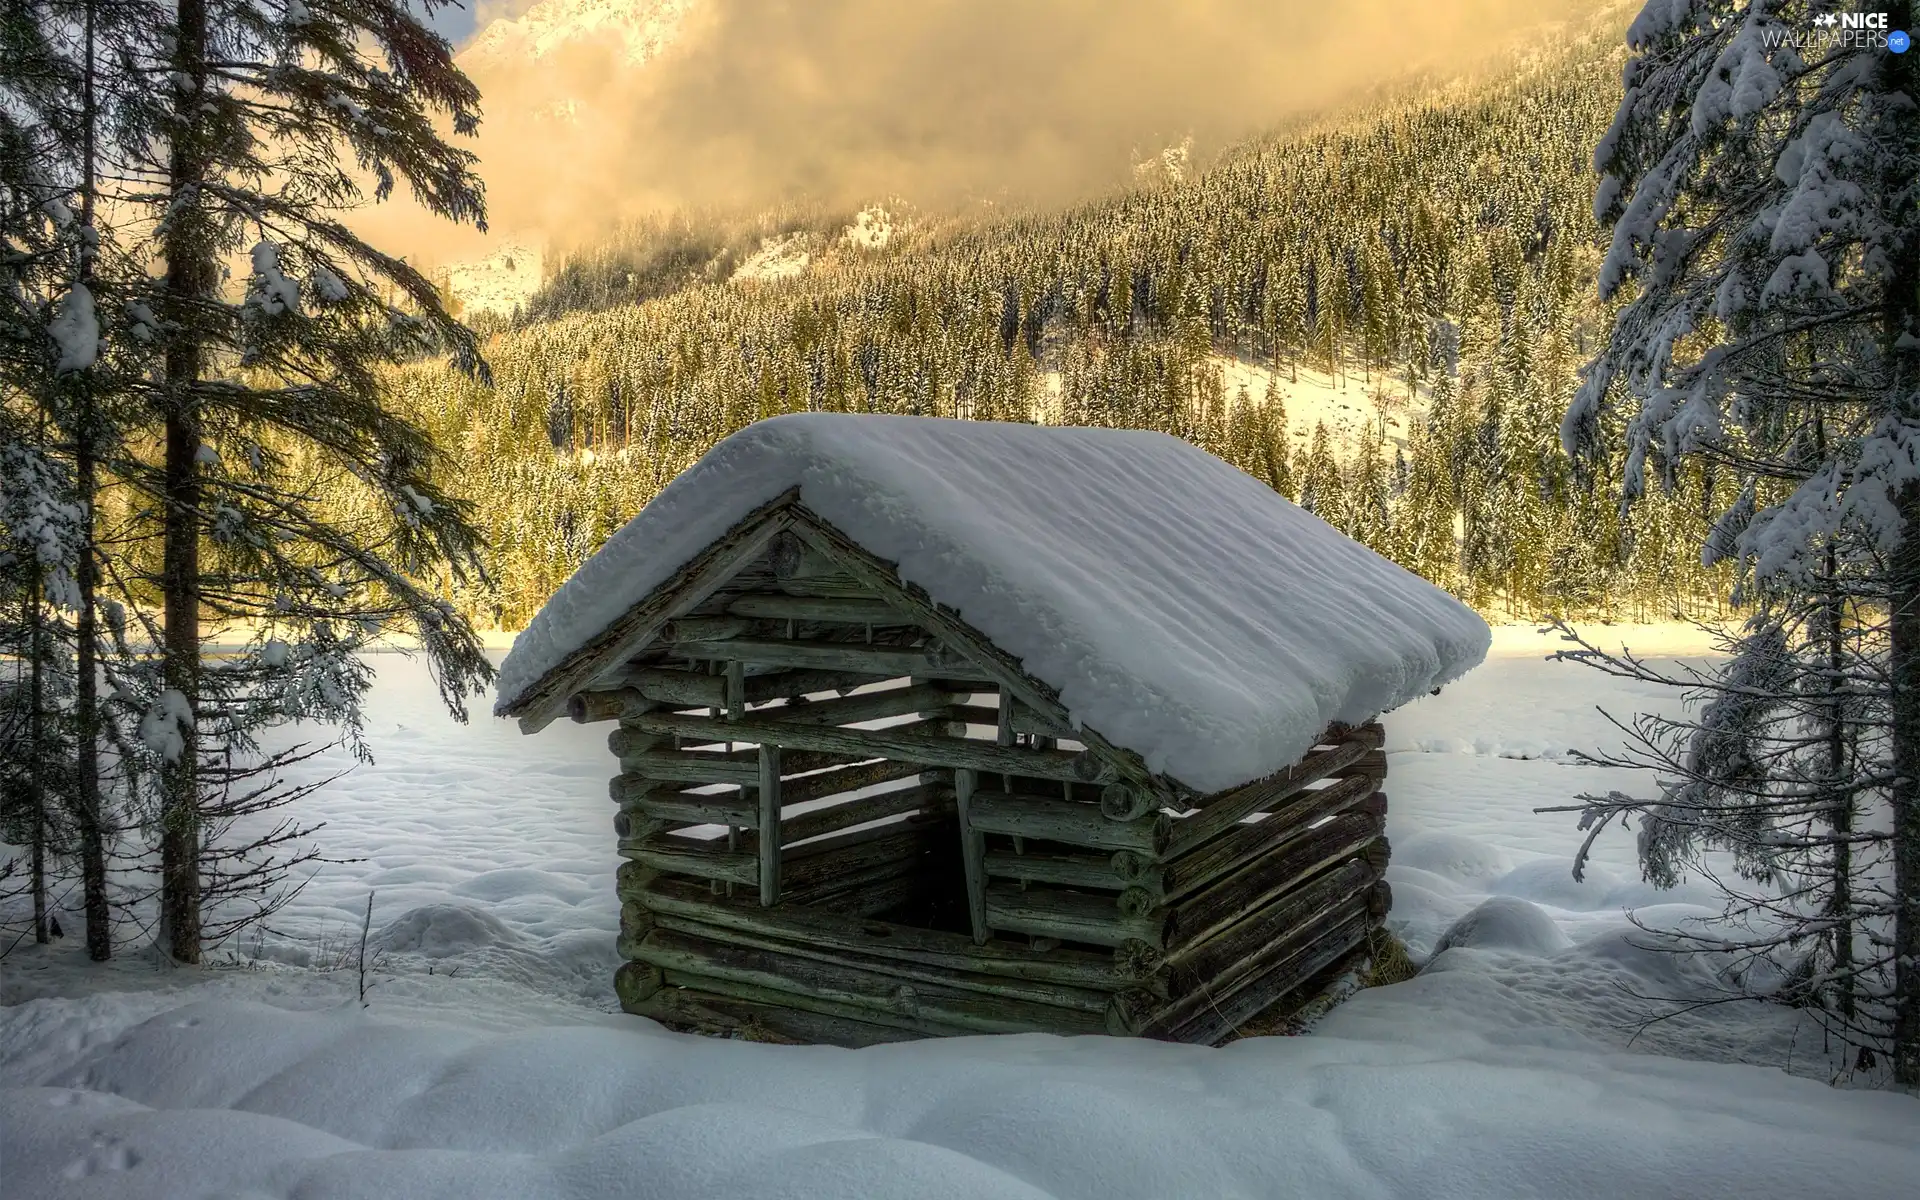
pixel 683 591
pixel 1069 916
pixel 1224 956
pixel 1220 813
pixel 865 706
pixel 799 789
pixel 705 1003
pixel 789 975
pixel 961 980
pixel 1022 720
pixel 823 863
pixel 1213 1022
pixel 708 1011
pixel 1243 843
pixel 769 825
pixel 830 611
pixel 821 821
pixel 692 766
pixel 955 952
pixel 1212 909
pixel 703 629
pixel 929 749
pixel 888 661
pixel 1068 821
pixel 1068 870
pixel 685 856
pixel 973 853
pixel 725 808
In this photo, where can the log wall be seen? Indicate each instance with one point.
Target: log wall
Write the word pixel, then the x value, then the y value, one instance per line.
pixel 946 855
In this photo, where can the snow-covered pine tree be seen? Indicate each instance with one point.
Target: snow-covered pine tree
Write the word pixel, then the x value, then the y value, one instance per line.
pixel 294 501
pixel 1764 227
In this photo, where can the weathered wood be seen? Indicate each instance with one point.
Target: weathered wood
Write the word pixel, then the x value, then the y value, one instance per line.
pixel 1022 720
pixel 833 818
pixel 1136 1014
pixel 680 593
pixel 865 706
pixel 703 629
pixel 626 741
pixel 584 708
pixel 1243 843
pixel 635 982
pixel 736 687
pixel 665 896
pixel 769 848
pixel 708 1010
pixel 629 789
pixel 888 661
pixel 1379 901
pixel 1223 956
pixel 1068 870
pixel 785 685
pixel 1069 916
pixel 973 851
pixel 830 611
pixel 634 823
pixel 1126 802
pixel 692 766
pixel 870 897
pixel 1214 1022
pixel 963 980
pixel 803 978
pixel 685 856
pixel 1373 762
pixel 1206 912
pixel 1221 813
pixel 1068 821
pixel 801 788
pixel 903 744
pixel 884 579
pixel 1378 852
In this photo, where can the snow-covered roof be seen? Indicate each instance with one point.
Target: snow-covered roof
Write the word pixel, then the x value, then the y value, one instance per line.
pixel 1180 608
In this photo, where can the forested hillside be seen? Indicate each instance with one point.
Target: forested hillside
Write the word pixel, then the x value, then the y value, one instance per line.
pixel 1437 250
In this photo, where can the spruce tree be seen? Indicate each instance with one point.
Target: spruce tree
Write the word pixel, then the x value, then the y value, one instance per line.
pixel 290 493
pixel 1765 235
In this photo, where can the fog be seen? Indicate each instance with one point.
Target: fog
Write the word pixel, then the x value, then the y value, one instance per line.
pixel 939 102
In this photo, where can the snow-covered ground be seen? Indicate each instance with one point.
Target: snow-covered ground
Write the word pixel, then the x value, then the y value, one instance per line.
pixel 489 1060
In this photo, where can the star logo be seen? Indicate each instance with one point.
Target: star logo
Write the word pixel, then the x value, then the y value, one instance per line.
pixel 1826 18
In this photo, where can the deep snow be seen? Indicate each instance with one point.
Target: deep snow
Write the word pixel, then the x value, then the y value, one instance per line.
pixel 1180 608
pixel 1509 1067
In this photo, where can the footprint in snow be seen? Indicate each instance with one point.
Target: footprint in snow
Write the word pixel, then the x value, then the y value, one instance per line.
pixel 108 1154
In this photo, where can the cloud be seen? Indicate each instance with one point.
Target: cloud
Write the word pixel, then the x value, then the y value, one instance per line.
pixel 939 101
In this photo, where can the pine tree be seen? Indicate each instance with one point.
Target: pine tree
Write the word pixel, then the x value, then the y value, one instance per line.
pixel 259 142
pixel 1764 231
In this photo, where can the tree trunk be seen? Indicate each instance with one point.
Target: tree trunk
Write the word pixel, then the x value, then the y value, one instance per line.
pixel 86 707
pixel 190 281
pixel 36 748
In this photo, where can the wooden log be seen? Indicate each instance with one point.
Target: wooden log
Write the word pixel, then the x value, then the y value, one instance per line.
pixel 1022 720
pixel 692 766
pixel 1214 1022
pixel 866 706
pixel 685 856
pixel 769 847
pixel 626 741
pixel 789 975
pixel 684 689
pixel 1373 762
pixel 820 864
pixel 631 880
pixel 820 784
pixel 785 685
pixel 633 822
pixel 853 886
pixel 1157 1019
pixel 1378 852
pixel 954 952
pixel 887 661
pixel 1221 813
pixel 973 852
pixel 1123 801
pixel 629 789
pixel 1034 991
pixel 874 896
pixel 635 982
pixel 767 606
pixel 703 629
pixel 903 744
pixel 1068 821
pixel 1067 870
pixel 1243 843
pixel 1210 910
pixel 584 708
pixel 736 687
pixel 1222 957
pixel 680 593
pixel 1069 916
pixel 1379 901
pixel 709 1010
pixel 879 806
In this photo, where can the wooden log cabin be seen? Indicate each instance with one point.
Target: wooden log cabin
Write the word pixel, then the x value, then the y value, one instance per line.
pixel 932 727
